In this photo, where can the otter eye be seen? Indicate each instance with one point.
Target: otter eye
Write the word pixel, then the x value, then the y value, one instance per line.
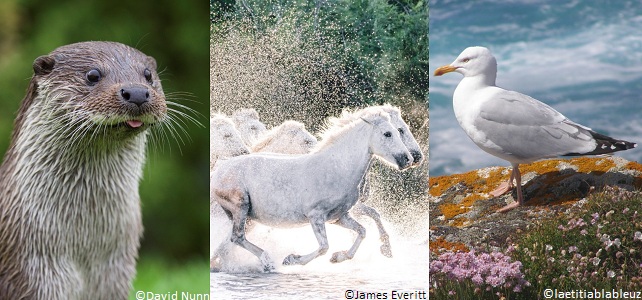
pixel 93 76
pixel 387 134
pixel 148 75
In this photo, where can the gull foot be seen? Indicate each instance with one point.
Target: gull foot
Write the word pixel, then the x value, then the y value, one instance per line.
pixel 501 189
pixel 508 207
pixel 291 259
pixel 340 256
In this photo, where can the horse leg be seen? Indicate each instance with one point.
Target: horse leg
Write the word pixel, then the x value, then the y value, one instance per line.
pixel 348 222
pixel 362 209
pixel 238 210
pixel 318 226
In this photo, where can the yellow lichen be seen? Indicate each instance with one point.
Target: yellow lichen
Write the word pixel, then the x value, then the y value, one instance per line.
pixel 440 245
pixel 452 210
pixel 548 173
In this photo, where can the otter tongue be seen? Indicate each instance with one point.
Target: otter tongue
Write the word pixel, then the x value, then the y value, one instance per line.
pixel 134 123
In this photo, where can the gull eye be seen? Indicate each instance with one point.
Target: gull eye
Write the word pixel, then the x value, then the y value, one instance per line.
pixel 465 60
pixel 387 134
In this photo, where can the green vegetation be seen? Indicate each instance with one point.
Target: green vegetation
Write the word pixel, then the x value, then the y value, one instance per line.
pixel 595 245
pixel 346 52
pixel 160 276
pixel 174 189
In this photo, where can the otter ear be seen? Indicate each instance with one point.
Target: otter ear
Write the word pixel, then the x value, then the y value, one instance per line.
pixel 43 65
pixel 151 61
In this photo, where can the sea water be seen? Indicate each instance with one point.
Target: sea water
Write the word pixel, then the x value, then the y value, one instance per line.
pixel 583 58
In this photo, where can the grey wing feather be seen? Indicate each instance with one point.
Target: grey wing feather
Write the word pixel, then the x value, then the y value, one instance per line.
pixel 528 129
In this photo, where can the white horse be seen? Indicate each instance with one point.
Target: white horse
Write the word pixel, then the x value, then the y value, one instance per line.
pixel 248 124
pixel 225 139
pixel 287 138
pixel 411 145
pixel 318 187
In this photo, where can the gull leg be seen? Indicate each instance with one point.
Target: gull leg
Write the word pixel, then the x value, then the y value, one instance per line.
pixel 520 197
pixel 506 186
pixel 518 179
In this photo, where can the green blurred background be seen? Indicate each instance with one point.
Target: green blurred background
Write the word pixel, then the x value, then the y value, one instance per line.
pixel 174 189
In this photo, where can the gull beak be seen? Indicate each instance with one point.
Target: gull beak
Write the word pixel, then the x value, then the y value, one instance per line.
pixel 445 69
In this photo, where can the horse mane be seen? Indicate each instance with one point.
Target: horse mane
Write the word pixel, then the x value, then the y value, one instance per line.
pixel 348 114
pixel 387 107
pixel 349 118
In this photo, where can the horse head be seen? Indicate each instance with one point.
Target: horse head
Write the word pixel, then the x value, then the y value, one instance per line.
pixel 225 139
pixel 385 140
pixel 291 137
pixel 299 136
pixel 405 133
pixel 248 124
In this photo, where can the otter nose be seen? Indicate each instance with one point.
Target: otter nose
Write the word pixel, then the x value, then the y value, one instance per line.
pixel 135 95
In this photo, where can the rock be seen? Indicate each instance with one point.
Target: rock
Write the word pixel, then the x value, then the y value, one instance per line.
pixel 462 212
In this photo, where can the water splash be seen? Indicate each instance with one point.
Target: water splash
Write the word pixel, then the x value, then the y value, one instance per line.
pixel 286 72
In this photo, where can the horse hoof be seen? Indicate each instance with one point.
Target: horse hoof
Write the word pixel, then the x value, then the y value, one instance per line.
pixel 385 250
pixel 291 259
pixel 268 265
pixel 268 268
pixel 338 257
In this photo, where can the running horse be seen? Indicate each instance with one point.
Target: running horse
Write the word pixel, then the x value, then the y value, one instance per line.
pixel 314 188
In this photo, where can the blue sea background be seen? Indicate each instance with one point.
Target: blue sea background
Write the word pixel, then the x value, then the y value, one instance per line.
pixel 583 58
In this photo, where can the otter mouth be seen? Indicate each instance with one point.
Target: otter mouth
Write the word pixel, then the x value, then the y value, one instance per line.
pixel 134 123
pixel 129 124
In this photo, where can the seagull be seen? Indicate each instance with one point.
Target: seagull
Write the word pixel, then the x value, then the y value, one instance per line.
pixel 514 126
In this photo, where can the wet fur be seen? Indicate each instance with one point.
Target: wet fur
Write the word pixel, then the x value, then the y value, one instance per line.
pixel 70 219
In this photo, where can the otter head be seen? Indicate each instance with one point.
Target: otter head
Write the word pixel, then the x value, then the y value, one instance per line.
pixel 95 89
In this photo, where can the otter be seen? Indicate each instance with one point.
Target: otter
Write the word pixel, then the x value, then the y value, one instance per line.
pixel 70 215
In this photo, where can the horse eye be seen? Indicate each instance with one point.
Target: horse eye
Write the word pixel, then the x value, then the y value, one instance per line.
pixel 93 76
pixel 148 75
pixel 387 134
pixel 400 131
